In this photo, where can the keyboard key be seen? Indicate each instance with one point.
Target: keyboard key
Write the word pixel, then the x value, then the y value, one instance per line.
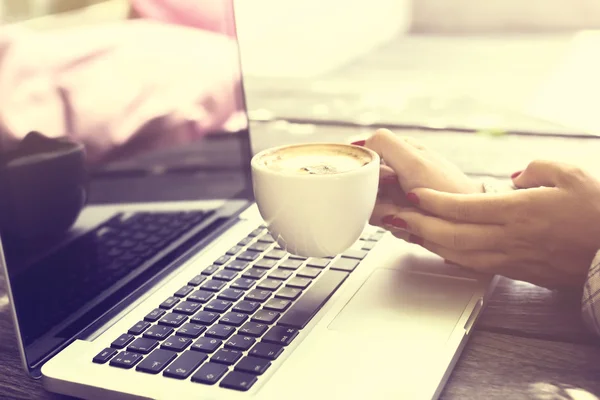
pixel 254 273
pixel 248 255
pixel 225 275
pixel 209 373
pixel 213 285
pixel 187 307
pixel 266 316
pixel 265 263
pixel 345 264
pixel 355 254
pixel 156 361
pixel 234 250
pixel 126 359
pixel 280 335
pixel 198 279
pixel 122 341
pixel 218 305
pixel 184 291
pixel 245 241
pixel 237 265
pixel 318 262
pixel 206 345
pixel 139 327
pixel 246 306
pixel 176 343
pixel 266 350
pixel 259 246
pixel 258 295
pixel 205 317
pixel 191 330
pixel 169 303
pixel 368 245
pixel 142 345
pixel 309 272
pixel 281 274
pixel 295 257
pixel 253 329
pixel 269 284
pixel 104 355
pixel 211 269
pixel 220 331
pixel 289 293
pixel 173 319
pixel 201 296
pixel 240 342
pixel 267 238
pixel 253 365
pixel 276 254
pixel 313 299
pixel 221 260
pixel 375 237
pixel 233 319
pixel 290 264
pixel 231 294
pixel 154 315
pixel 237 380
pixel 299 282
pixel 277 305
pixel 243 283
pixel 187 363
pixel 226 356
pixel 256 232
pixel 158 332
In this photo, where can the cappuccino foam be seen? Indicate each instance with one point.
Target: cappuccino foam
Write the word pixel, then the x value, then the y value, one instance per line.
pixel 316 159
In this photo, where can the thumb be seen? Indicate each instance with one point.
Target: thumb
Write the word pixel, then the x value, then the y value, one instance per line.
pixel 541 173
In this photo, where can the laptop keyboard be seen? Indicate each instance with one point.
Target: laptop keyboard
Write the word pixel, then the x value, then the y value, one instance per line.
pixel 236 316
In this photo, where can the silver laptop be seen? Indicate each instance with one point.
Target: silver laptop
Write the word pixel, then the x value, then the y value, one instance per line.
pixel 168 286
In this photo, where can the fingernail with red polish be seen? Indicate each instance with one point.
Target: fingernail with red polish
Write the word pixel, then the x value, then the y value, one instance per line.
pixel 394 221
pixel 516 174
pixel 359 143
pixel 390 179
pixel 416 240
pixel 412 198
pixel 387 220
pixel 399 223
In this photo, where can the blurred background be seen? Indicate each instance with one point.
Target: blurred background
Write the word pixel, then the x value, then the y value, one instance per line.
pixel 421 66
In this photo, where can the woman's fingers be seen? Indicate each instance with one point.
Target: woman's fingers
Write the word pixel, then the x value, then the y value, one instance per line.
pixel 384 207
pixel 453 235
pixel 472 208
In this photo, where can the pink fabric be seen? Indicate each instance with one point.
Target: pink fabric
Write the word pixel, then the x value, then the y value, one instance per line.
pixel 211 15
pixel 103 85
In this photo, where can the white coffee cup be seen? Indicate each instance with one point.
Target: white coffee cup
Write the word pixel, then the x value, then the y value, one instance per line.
pixel 315 215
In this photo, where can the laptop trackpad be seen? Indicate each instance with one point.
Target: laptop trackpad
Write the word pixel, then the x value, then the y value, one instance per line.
pixel 400 305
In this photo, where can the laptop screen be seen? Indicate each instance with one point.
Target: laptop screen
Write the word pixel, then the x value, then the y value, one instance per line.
pixel 124 145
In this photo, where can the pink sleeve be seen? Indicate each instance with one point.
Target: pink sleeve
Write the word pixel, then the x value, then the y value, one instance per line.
pixel 103 85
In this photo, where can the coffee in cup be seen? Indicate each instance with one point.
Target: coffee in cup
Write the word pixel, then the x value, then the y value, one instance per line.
pixel 316 198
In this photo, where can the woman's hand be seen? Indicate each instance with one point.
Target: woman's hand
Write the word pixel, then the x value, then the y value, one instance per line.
pixel 546 234
pixel 406 166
